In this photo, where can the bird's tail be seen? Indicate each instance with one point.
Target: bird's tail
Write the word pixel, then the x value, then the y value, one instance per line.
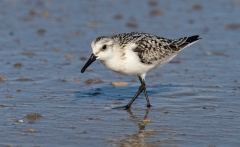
pixel 181 43
pixel 193 39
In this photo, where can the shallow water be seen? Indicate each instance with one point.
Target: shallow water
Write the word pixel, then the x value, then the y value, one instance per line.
pixel 46 101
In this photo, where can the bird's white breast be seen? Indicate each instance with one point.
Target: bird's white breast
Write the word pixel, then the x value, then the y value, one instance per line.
pixel 127 62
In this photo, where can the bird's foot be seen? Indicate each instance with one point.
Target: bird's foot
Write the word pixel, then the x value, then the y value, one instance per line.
pixel 122 107
pixel 149 105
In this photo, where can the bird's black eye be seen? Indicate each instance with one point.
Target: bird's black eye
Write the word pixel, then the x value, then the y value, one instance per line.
pixel 104 47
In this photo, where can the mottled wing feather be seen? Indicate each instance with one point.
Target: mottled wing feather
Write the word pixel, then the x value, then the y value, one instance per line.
pixel 152 48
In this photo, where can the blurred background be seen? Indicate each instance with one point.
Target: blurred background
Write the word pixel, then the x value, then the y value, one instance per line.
pixel 45 100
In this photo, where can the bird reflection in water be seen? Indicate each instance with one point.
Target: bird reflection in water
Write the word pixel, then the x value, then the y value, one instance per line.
pixel 140 139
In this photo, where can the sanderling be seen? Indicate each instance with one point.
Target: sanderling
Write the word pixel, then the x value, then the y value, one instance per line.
pixel 135 54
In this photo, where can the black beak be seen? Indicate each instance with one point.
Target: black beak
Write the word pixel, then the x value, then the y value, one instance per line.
pixel 89 62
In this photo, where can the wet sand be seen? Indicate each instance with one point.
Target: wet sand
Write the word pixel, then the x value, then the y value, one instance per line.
pixel 46 101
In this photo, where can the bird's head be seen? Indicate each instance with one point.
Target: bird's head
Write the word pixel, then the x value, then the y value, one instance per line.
pixel 102 48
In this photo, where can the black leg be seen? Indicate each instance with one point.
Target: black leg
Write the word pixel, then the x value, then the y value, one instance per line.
pixel 145 91
pixel 136 95
pixel 141 88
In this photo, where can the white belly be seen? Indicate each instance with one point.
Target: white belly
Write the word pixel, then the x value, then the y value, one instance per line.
pixel 130 65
